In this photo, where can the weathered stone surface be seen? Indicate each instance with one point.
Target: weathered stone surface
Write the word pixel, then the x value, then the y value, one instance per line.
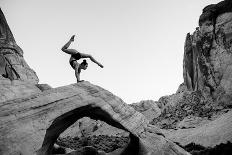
pixel 12 64
pixel 17 79
pixel 192 122
pixel 208 135
pixel 194 118
pixel 198 114
pixel 148 108
pixel 10 90
pixel 182 88
pixel 43 87
pixel 89 127
pixel 32 124
pixel 208 52
pixel 211 12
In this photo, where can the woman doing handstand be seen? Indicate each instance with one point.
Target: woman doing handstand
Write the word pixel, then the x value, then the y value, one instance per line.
pixel 75 55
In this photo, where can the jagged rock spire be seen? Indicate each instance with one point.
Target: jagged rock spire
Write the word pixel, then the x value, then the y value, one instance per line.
pixel 208 51
pixel 12 64
pixel 6 37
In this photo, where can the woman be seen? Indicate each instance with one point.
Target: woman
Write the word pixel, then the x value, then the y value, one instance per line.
pixel 75 55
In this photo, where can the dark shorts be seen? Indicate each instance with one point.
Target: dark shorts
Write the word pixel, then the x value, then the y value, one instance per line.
pixel 76 56
pixel 72 63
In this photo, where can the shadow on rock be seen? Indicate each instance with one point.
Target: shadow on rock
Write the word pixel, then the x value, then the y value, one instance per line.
pixel 222 149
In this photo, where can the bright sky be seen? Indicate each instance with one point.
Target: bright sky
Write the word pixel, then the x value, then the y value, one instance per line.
pixel 139 42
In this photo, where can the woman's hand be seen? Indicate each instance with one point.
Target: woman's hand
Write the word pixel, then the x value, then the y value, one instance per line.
pixel 100 65
pixel 80 81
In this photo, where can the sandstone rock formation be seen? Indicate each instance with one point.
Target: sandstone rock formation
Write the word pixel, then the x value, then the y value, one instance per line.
pixel 208 134
pixel 32 124
pixel 16 89
pixel 34 115
pixel 190 117
pixel 17 79
pixel 208 52
pixel 148 108
pixel 200 111
pixel 13 66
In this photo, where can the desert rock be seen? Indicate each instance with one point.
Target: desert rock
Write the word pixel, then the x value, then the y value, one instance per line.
pixel 13 66
pixel 31 125
pixel 207 56
pixel 17 79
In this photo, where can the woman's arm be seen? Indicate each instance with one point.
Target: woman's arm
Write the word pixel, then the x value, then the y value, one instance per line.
pixel 65 47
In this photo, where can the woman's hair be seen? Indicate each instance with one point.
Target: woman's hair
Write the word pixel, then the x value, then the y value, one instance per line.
pixel 84 62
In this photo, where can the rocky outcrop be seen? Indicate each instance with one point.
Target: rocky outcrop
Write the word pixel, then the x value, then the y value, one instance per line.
pixel 16 89
pixel 201 150
pixel 32 124
pixel 208 52
pixel 12 64
pixel 200 111
pixel 208 134
pixel 148 108
pixel 43 87
pixel 211 12
pixel 179 108
pixel 17 79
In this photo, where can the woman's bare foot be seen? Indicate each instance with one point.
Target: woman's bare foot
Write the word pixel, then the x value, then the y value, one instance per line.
pixel 72 38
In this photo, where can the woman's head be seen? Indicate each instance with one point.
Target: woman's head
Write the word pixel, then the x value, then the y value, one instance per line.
pixel 84 65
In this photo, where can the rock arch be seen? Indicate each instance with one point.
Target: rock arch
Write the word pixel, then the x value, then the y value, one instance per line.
pixel 61 123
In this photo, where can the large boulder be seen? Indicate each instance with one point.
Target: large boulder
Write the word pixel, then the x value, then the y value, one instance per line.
pixel 31 125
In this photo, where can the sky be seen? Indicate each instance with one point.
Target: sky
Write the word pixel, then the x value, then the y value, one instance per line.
pixel 139 42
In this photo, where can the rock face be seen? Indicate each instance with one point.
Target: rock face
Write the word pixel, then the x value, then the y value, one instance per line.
pixel 148 108
pixel 12 64
pixel 32 124
pixel 200 111
pixel 208 52
pixel 16 89
pixel 208 135
pixel 17 79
